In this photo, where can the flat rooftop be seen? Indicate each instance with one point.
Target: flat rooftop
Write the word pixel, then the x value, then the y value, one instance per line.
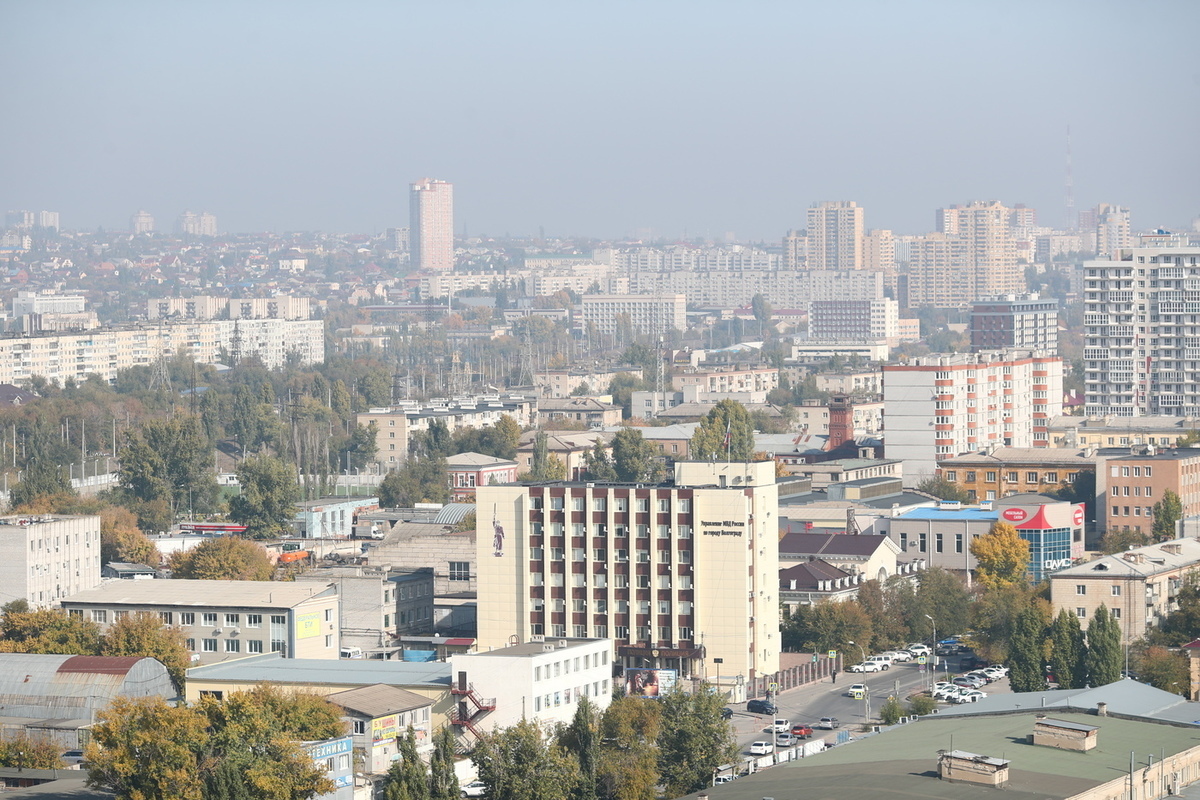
pixel 200 594
pixel 536 648
pixel 325 671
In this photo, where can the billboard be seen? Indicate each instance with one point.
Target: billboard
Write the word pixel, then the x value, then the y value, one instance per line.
pixel 649 682
pixel 308 625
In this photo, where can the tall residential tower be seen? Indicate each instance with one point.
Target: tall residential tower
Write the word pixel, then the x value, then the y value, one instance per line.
pixel 835 235
pixel 431 228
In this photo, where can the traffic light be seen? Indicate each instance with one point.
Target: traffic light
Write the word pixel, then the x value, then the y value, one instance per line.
pixel 814 658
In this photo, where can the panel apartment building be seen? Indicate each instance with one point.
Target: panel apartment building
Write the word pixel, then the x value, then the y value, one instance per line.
pixel 941 406
pixel 1142 333
pixel 45 558
pixel 645 314
pixel 681 575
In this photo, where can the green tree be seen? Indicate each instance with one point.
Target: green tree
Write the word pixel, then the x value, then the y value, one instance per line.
pixel 891 711
pixel 1067 651
pixel 1167 512
pixel 636 460
pixel 1026 655
pixel 1164 670
pixel 28 752
pixel 761 309
pixel 376 388
pixel 227 558
pixel 361 446
pixel 170 461
pixel 888 627
pixel 1183 624
pixel 407 778
pixel 1103 648
pixel 1118 541
pixel 694 741
pixel 1002 556
pixel 828 625
pixel 268 499
pixel 418 481
pixel 725 433
pixel 943 489
pixel 598 466
pixel 943 596
pixel 49 631
pixel 582 738
pixel 628 767
pixel 519 763
pixel 142 634
pixel 921 705
pixel 543 465
pixel 144 749
pixel 443 785
pixel 622 387
pixel 120 539
pixel 994 618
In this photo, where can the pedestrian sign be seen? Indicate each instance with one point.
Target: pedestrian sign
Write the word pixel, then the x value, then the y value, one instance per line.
pixel 774 687
pixel 920 659
pixel 833 653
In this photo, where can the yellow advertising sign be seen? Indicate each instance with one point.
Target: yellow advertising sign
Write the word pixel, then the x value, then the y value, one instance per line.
pixel 308 625
pixel 383 728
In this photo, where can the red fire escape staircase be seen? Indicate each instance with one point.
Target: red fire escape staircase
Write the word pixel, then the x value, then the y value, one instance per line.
pixel 467 714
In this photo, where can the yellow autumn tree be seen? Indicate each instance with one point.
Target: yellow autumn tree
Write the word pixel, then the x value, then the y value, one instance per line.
pixel 1002 556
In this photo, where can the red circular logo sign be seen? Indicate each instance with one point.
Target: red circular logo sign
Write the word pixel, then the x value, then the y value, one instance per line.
pixel 1077 517
pixel 1014 515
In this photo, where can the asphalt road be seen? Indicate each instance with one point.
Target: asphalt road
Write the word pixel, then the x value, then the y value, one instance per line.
pixel 807 704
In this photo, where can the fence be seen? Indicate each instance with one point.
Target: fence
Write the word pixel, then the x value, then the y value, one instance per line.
pixel 799 675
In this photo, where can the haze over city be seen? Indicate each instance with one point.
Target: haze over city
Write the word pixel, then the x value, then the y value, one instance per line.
pixel 666 119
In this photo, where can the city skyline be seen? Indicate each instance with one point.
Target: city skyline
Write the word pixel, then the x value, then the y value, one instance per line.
pixel 652 121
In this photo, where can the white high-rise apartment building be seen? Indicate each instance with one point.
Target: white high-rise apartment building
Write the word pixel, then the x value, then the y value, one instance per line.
pixel 986 251
pixel 192 224
pixel 945 405
pixel 644 314
pixel 835 235
pixel 681 575
pixel 1142 332
pixel 431 224
pixel 141 222
pixel 1112 229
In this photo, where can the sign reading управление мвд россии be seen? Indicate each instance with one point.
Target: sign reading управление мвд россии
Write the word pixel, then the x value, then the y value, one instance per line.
pixel 723 528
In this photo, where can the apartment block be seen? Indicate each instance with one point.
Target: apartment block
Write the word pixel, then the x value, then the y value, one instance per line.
pixel 223 620
pixel 643 314
pixel 1111 431
pixel 1020 322
pixel 854 320
pixel 190 223
pixel 727 379
pixel 835 235
pixel 681 575
pixel 1139 587
pixel 736 289
pixel 1142 332
pixel 1131 485
pixel 431 224
pixel 395 425
pixel 1004 471
pixel 563 383
pixel 1112 229
pixel 141 222
pixel 941 406
pixel 45 558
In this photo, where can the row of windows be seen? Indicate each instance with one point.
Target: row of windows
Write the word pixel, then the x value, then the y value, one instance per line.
pixel 1012 476
pixel 207 619
pixel 1137 471
pixel 600 580
pixel 44 544
pixel 1123 491
pixel 596 689
pixel 620 504
pixel 235 645
pixel 1115 511
pixel 938 542
pixel 566 666
pixel 1081 588
pixel 1081 612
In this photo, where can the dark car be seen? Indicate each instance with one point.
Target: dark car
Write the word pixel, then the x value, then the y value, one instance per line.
pixel 726 713
pixel 761 707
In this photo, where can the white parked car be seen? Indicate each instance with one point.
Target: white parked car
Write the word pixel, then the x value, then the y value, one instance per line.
pixel 970 696
pixel 918 649
pixel 762 748
pixel 866 666
pixel 475 789
pixel 899 655
pixel 996 670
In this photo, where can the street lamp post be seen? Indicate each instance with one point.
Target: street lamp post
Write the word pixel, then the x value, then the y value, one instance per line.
pixel 933 669
pixel 862 652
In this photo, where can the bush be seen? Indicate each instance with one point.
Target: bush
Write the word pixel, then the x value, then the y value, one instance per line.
pixel 891 711
pixel 920 705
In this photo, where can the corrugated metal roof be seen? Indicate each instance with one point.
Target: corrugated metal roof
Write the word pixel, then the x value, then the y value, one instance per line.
pixel 99 665
pixel 378 700
pixel 38 687
pixel 453 513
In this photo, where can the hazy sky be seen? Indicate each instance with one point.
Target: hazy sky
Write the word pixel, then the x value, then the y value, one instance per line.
pixel 596 118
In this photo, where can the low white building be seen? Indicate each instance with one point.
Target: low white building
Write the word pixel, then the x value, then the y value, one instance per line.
pixel 539 680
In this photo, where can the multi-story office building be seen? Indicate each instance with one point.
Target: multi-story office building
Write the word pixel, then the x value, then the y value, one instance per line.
pixel 141 222
pixel 835 235
pixel 941 406
pixel 642 314
pixel 431 224
pixel 1131 485
pixel 1141 333
pixel 45 558
pixel 192 224
pixel 1020 322
pixel 226 619
pixel 680 575
pixel 854 320
pixel 1112 229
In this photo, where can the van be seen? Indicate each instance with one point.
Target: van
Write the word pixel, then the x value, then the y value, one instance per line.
pixel 350 652
pixel 884 662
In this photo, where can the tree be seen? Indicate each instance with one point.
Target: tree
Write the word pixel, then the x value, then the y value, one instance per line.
pixel 227 558
pixel 1103 648
pixel 1002 556
pixel 598 466
pixel 943 596
pixel 921 705
pixel 622 387
pixel 268 499
pixel 519 763
pixel 443 785
pixel 891 711
pixel 544 466
pixel 407 778
pixel 1183 624
pixel 888 627
pixel 120 539
pixel 1026 656
pixel 418 481
pixel 144 749
pixel 994 618
pixel 1067 651
pixel 1164 670
pixel 694 741
pixel 1167 512
pixel 943 489
pixel 628 767
pixel 1118 541
pixel 581 737
pixel 170 461
pixel 828 625
pixel 362 445
pixel 48 631
pixel 725 433
pixel 143 634
pixel 636 460
pixel 761 309
pixel 27 752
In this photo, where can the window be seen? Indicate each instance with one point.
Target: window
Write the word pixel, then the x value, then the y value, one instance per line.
pixel 923 538
pixel 1081 612
pixel 360 727
pixel 958 542
pixel 951 475
pixel 1080 588
pixel 556 504
pixel 254 646
pixel 190 644
pixel 684 504
pixel 937 543
pixel 1116 613
pixel 970 476
pixel 209 645
pixel 1148 475
pixel 187 618
pixel 99 615
pixel 664 505
pixel 166 617
pixel 642 504
pixel 233 645
pixel 991 477
pixel 210 619
pixel 329 640
pixel 232 620
pixel 254 620
pixel 1031 477
pixel 1116 591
